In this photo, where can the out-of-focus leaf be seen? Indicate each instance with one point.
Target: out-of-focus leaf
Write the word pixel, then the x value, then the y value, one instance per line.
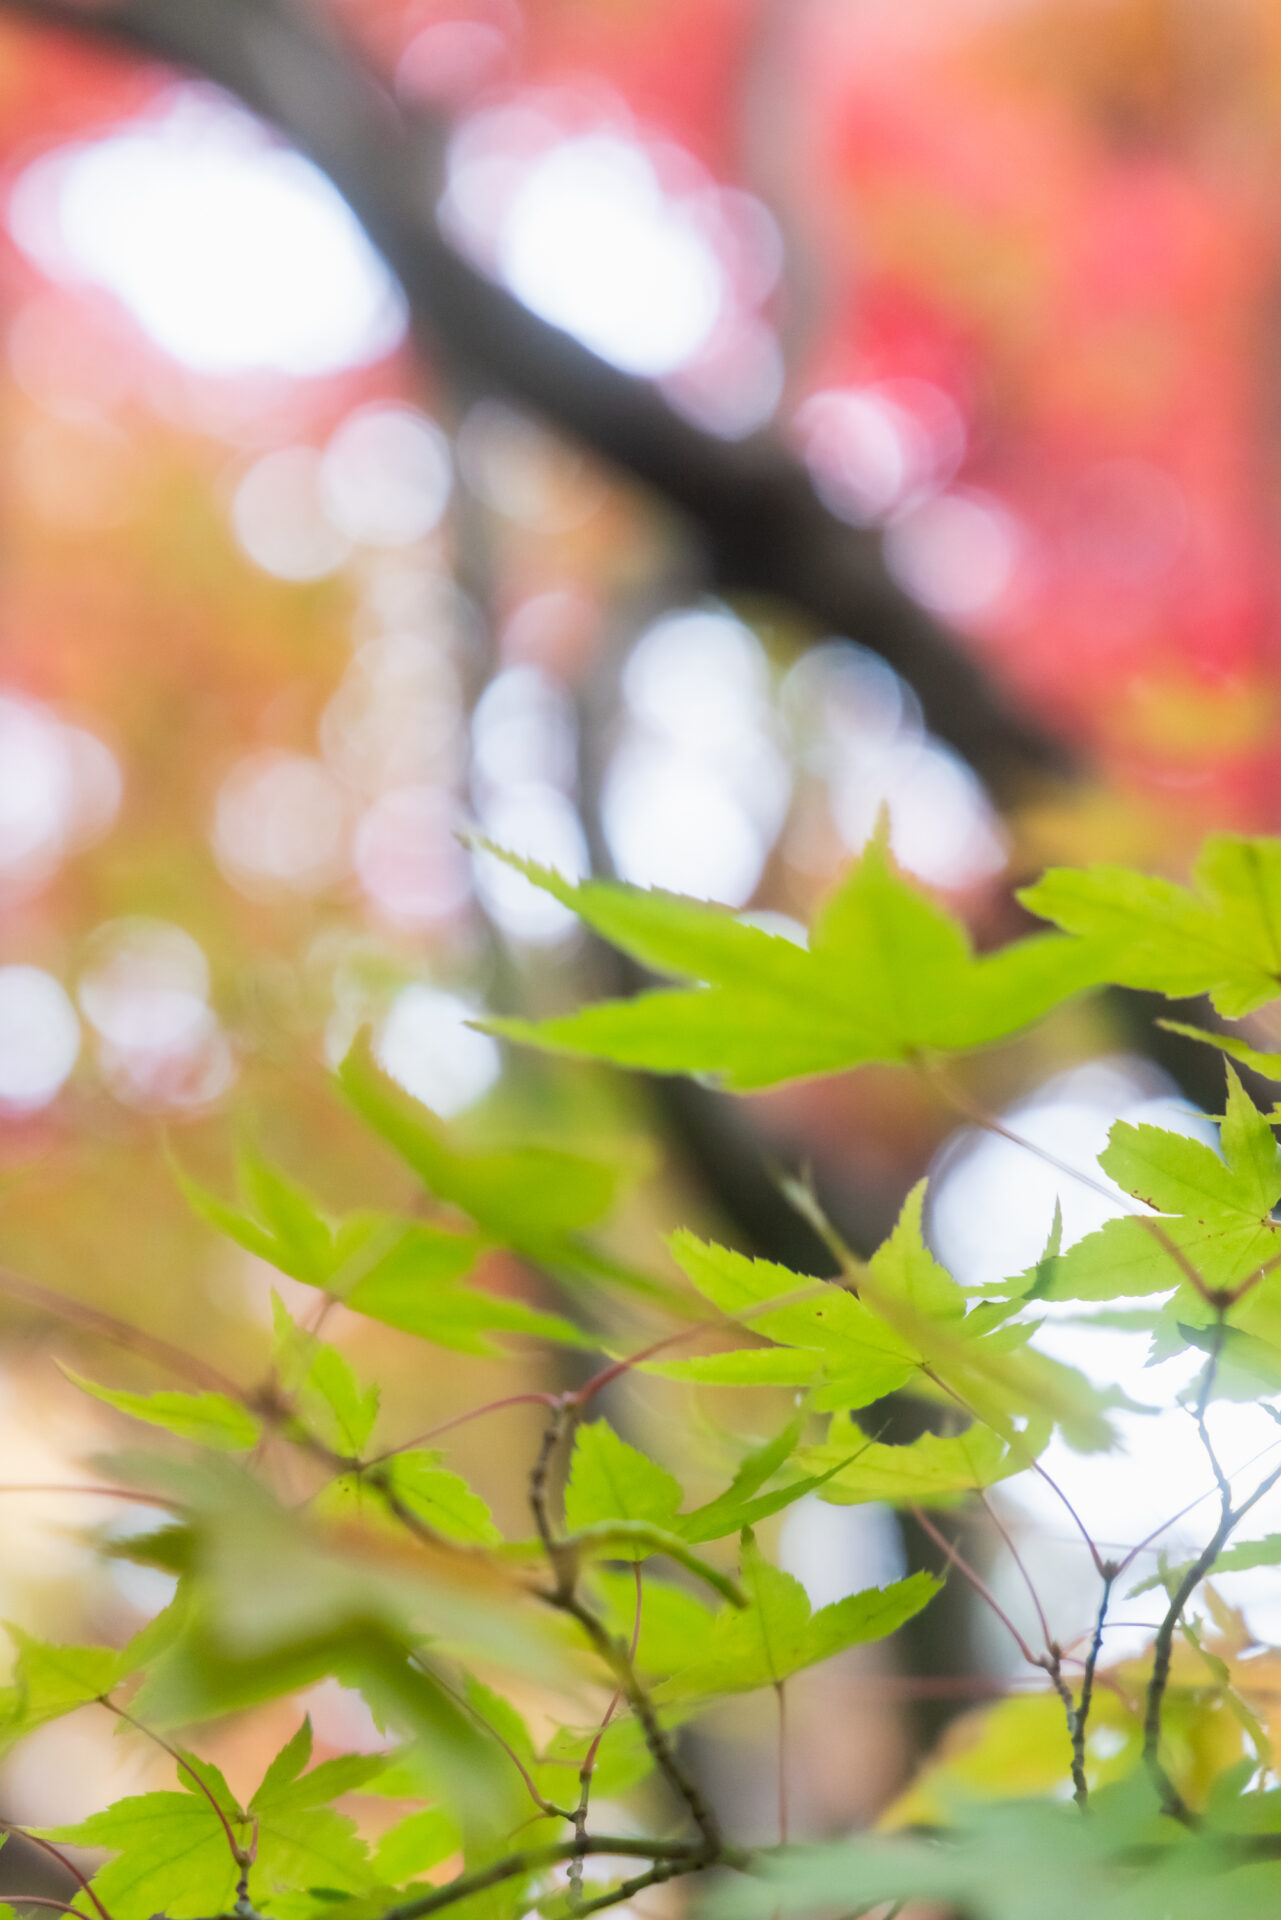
pixel 416 1844
pixel 277 1601
pixel 406 1273
pixel 1012 1748
pixel 1021 1860
pixel 1241 1558
pixel 533 1198
pixel 410 1288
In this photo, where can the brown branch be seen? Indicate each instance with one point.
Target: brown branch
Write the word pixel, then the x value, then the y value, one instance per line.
pixel 64 1860
pixel 588 1768
pixel 780 1694
pixel 685 1857
pixel 563 1562
pixel 1172 1801
pixel 1079 1720
pixel 979 1585
pixel 661 1870
pixel 240 1855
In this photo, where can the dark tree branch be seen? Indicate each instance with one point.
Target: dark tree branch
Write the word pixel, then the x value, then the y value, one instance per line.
pixel 763 527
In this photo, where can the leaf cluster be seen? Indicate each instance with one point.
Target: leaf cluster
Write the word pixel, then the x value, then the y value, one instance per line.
pixel 309 1540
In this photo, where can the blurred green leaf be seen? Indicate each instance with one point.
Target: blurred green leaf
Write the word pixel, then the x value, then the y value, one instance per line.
pixel 530 1197
pixel 1021 1860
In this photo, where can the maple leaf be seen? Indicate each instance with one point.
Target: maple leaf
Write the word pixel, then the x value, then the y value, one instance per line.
pixel 888 976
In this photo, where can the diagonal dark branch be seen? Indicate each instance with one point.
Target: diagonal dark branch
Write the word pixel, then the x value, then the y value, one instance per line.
pixel 763 528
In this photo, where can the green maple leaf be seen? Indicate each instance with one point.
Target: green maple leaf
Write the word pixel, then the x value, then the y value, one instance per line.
pixel 441 1499
pixel 822 1331
pixel 1221 936
pixel 933 1470
pixel 742 1504
pixel 675 1624
pixel 612 1480
pixel 888 976
pixel 899 1319
pixel 50 1680
pixel 1257 1059
pixel 1210 1215
pixel 301 1841
pixel 172 1850
pixel 210 1419
pixel 330 1399
pixel 776 1635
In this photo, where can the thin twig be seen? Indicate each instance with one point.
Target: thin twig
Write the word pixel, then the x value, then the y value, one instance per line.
pixel 461 1419
pixel 1019 1562
pixel 104 1493
pixel 660 1871
pixel 532 1859
pixel 563 1562
pixel 238 1853
pixel 1203 1399
pixel 979 1116
pixel 588 1768
pixel 979 1585
pixel 780 1694
pixel 1172 1800
pixel 1080 1719
pixel 42 1900
pixel 64 1861
pixel 1081 1527
pixel 543 1805
pixel 1145 1544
